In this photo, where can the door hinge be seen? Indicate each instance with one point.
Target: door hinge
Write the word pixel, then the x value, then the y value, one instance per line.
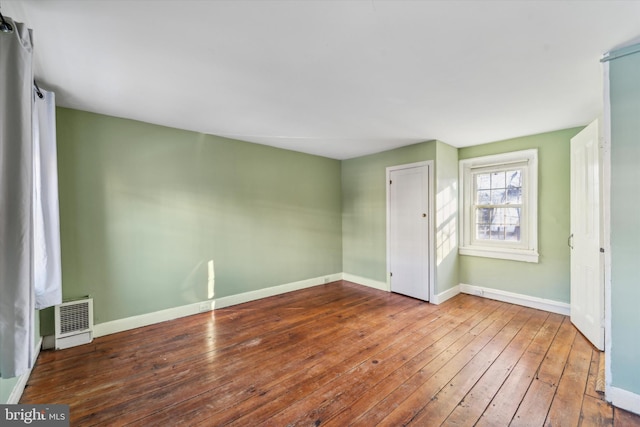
pixel 601 250
pixel 390 182
pixel 390 274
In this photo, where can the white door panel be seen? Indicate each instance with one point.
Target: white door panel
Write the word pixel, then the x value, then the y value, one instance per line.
pixel 408 231
pixel 587 273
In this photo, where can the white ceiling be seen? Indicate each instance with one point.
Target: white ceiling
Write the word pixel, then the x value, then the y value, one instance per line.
pixel 334 78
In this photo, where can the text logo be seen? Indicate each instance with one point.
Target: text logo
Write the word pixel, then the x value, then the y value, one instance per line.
pixel 34 415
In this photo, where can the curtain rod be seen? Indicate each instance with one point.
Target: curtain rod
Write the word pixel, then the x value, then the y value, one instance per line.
pixel 5 27
pixel 38 91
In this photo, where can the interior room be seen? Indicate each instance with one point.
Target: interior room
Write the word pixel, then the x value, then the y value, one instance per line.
pixel 328 191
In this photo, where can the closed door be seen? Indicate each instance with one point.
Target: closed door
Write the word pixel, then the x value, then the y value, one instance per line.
pixel 587 272
pixel 408 235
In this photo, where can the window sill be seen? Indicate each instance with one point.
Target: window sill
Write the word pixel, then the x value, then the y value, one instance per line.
pixel 524 255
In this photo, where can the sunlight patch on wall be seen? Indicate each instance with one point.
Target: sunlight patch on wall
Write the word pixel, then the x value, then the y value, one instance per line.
pixel 446 213
pixel 211 281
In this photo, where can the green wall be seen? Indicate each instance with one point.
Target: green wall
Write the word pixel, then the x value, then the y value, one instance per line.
pixel 6 388
pixel 144 208
pixel 7 384
pixel 364 204
pixel 550 277
pixel 446 206
pixel 624 81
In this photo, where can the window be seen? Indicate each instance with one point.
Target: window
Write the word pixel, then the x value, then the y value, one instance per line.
pixel 499 206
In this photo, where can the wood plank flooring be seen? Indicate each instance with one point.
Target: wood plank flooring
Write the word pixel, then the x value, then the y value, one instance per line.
pixel 335 355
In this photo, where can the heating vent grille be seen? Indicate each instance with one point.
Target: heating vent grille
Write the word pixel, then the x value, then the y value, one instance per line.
pixel 74 323
pixel 74 317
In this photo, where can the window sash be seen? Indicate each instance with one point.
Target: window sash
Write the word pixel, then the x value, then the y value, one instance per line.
pixel 473 223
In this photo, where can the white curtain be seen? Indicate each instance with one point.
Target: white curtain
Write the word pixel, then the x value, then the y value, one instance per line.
pixel 30 272
pixel 47 259
pixel 16 202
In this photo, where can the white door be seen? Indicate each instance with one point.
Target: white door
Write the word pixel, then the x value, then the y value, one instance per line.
pixel 408 195
pixel 587 272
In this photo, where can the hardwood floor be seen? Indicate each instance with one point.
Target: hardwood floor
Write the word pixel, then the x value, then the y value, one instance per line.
pixel 335 355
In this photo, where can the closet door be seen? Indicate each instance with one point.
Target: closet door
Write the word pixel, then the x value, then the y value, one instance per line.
pixel 408 230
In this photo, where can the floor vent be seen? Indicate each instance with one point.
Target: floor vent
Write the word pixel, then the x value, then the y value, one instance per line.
pixel 74 323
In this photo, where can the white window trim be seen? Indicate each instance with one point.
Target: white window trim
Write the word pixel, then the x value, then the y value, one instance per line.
pixel 526 251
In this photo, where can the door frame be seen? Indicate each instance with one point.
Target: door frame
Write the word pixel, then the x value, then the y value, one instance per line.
pixel 430 224
pixel 606 225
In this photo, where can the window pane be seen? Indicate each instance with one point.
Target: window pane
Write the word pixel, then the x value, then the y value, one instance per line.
pixel 512 224
pixel 497 233
pixel 514 195
pixel 498 189
pixel 483 197
pixel 512 216
pixel 498 180
pixel 513 236
pixel 482 232
pixel 514 178
pixel 498 216
pixel 483 181
pixel 498 197
pixel 484 216
pixel 514 186
pixel 497 225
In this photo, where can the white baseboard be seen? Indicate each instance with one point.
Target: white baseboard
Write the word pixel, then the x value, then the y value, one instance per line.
pixel 275 290
pixel 519 299
pixel 383 286
pixel 624 399
pixel 119 325
pixel 445 295
pixel 18 389
pixel 127 323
